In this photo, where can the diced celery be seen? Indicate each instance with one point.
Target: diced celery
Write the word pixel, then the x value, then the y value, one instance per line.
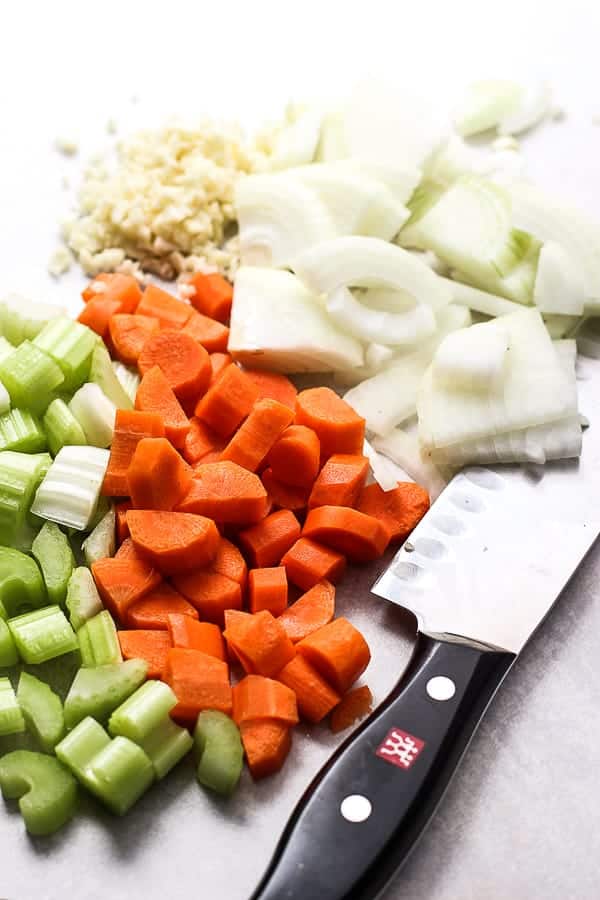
pixel 101 542
pixel 30 376
pixel 6 348
pixel 81 745
pixel 46 790
pixel 4 399
pixel 22 431
pixel 83 599
pixel 22 319
pixel 219 750
pixel 8 651
pixel 129 378
pixel 166 745
pixel 103 374
pixel 97 692
pixel 120 774
pixel 20 475
pixel 42 635
pixel 21 585
pixel 11 717
pixel 70 344
pixel 102 507
pixel 98 641
pixel 55 558
pixel 62 427
pixel 42 710
pixel 95 413
pixel 70 490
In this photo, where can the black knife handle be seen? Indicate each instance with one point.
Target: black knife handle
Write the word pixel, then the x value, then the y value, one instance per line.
pixel 400 762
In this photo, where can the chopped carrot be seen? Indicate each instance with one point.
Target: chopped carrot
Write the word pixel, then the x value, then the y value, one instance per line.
pixel 153 610
pixel 129 334
pixel 211 593
pixel 338 651
pixel 309 562
pixel 228 401
pixel 115 286
pixel 130 427
pixel 124 579
pixel 211 334
pixel 314 696
pixel 199 681
pixel 354 705
pixel 226 492
pixel 273 386
pixel 285 496
pixel 174 542
pixel 184 362
pixel 294 458
pixel 360 537
pixel 266 745
pixel 218 363
pixel 339 428
pixel 262 646
pixel 400 510
pixel 213 295
pixel 97 313
pixel 122 528
pixel 264 544
pixel 310 612
pixel 229 562
pixel 170 311
pixel 154 395
pixel 250 444
pixel 151 645
pixel 268 589
pixel 237 625
pixel 157 475
pixel 256 697
pixel 340 481
pixel 201 440
pixel 193 635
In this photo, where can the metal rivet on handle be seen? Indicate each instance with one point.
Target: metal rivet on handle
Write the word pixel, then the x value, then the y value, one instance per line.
pixel 441 688
pixel 356 808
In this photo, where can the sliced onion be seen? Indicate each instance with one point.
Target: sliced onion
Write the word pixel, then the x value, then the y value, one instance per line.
pixel 481 301
pixel 381 327
pixel 385 473
pixel 472 358
pixel 332 141
pixel 404 449
pixel 486 103
pixel 559 287
pixel 378 355
pixel 535 104
pixel 297 143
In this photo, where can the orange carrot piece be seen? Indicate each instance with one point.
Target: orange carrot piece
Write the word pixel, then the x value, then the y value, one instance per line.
pixel 309 562
pixel 153 610
pixel 250 444
pixel 201 440
pixel 150 645
pixel 400 510
pixel 193 635
pixel 183 361
pixel 360 537
pixel 174 542
pixel 264 544
pixel 129 334
pixel 266 745
pixel 157 475
pixel 115 286
pixel 124 579
pixel 314 696
pixel 340 481
pixel 256 697
pixel 268 589
pixel 170 311
pixel 154 395
pixel 211 593
pixel 228 561
pixel 354 705
pixel 311 611
pixel 199 681
pixel 130 427
pixel 122 528
pixel 226 492
pixel 228 401
pixel 338 427
pixel 285 496
pixel 237 624
pixel 218 363
pixel 98 312
pixel 211 334
pixel 295 457
pixel 213 295
pixel 338 651
pixel 273 386
pixel 262 646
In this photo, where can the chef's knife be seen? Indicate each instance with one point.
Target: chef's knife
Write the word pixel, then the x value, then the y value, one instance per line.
pixel 480 572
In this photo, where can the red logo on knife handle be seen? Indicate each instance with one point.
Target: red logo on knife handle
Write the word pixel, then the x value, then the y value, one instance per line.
pixel 400 748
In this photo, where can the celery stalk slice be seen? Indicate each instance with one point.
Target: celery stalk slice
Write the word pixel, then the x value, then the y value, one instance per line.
pixel 119 775
pixel 30 376
pixel 46 790
pixel 21 319
pixel 61 426
pixel 21 585
pixel 78 748
pixel 166 745
pixel 70 344
pixel 8 652
pixel 101 542
pixel 4 399
pixel 42 635
pixel 21 431
pixel 98 641
pixel 144 711
pixel 55 558
pixel 128 378
pixel 6 347
pixel 71 488
pixel 95 413
pixel 104 375
pixel 42 710
pixel 219 749
pixel 97 692
pixel 83 600
pixel 11 717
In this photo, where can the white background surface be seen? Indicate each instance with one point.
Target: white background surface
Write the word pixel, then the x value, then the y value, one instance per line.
pixel 521 820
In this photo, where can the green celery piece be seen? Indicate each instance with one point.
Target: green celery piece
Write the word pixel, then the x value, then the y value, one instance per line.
pixel 42 710
pixel 101 542
pixel 30 376
pixel 61 427
pixel 78 748
pixel 166 745
pixel 6 348
pixel 8 651
pixel 21 319
pixel 20 475
pixel 129 378
pixel 21 584
pixel 97 692
pixel 46 790
pixel 42 635
pixel 70 344
pixel 4 399
pixel 71 487
pixel 120 774
pixel 20 430
pixel 83 599
pixel 102 507
pixel 219 750
pixel 11 717
pixel 103 374
pixel 98 641
pixel 53 553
